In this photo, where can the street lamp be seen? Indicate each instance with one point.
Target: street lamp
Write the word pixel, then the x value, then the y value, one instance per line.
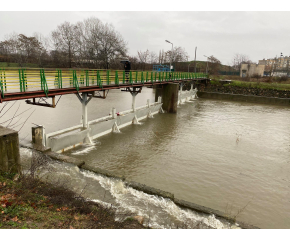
pixel 171 53
pixel 206 63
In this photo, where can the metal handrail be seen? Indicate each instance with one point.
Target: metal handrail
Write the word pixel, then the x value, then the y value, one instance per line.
pixel 24 80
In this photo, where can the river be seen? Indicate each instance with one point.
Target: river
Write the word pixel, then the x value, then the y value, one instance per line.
pixel 229 156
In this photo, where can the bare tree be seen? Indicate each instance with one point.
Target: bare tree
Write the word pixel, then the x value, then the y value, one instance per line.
pixel 21 48
pixel 9 48
pixel 153 59
pixel 64 40
pixel 92 31
pixel 143 58
pixel 238 59
pixel 161 57
pixel 214 64
pixel 42 54
pixel 111 45
pixel 89 43
pixel 177 55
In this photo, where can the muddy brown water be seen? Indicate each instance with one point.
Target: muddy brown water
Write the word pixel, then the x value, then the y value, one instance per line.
pixel 229 156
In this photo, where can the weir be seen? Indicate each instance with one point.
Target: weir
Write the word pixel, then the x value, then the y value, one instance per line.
pixel 37 87
pixel 84 133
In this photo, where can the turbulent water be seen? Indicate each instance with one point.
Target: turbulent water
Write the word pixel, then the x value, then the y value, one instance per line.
pixel 125 201
pixel 229 156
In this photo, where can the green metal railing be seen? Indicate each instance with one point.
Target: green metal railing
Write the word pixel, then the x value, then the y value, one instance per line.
pixel 44 86
pixel 3 85
pixel 23 80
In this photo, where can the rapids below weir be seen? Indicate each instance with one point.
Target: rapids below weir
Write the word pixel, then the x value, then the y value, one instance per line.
pixel 156 211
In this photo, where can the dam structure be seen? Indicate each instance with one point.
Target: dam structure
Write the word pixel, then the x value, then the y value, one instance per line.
pixel 41 87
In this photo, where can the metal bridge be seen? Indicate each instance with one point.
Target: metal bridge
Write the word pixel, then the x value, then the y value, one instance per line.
pixel 44 84
pixel 17 84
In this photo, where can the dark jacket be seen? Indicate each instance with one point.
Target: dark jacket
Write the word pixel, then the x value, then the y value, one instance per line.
pixel 127 66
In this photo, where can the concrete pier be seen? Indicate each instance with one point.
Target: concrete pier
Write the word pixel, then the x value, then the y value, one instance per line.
pixel 9 151
pixel 38 135
pixel 170 97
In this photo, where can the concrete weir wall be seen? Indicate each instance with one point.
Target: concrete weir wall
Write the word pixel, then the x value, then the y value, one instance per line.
pixel 9 150
pixel 185 96
pixel 67 138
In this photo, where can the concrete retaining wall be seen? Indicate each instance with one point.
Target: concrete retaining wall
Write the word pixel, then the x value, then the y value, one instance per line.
pixel 244 98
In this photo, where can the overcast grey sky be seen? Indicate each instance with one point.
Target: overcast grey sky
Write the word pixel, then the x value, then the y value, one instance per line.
pixel 222 34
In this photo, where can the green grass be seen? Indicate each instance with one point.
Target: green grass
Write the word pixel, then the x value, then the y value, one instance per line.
pixel 260 85
pixel 16 65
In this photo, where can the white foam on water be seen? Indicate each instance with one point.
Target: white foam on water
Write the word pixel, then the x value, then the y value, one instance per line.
pixel 107 205
pixel 159 210
pixel 85 151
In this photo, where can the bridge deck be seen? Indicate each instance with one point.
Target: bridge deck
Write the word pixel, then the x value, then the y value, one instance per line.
pixel 17 84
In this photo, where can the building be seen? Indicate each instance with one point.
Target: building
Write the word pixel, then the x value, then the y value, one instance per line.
pixel 278 64
pixel 250 70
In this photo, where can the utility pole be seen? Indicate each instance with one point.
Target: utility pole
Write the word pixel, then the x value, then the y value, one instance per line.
pixel 171 53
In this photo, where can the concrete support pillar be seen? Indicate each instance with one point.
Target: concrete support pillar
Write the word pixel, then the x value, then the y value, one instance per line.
pixel 38 137
pixel 84 110
pixel 170 97
pixel 134 94
pixel 9 151
pixel 84 101
pixel 114 114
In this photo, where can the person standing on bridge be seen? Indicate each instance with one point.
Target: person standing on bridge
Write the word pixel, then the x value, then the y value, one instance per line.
pixel 127 67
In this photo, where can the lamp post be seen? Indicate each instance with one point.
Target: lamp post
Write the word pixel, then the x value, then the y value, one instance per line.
pixel 206 63
pixel 171 53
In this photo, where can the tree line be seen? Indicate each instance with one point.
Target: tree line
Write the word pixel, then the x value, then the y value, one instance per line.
pixel 87 44
pixel 93 44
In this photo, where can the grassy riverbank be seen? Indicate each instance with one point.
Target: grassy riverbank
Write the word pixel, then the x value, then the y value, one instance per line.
pixel 260 83
pixel 26 202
